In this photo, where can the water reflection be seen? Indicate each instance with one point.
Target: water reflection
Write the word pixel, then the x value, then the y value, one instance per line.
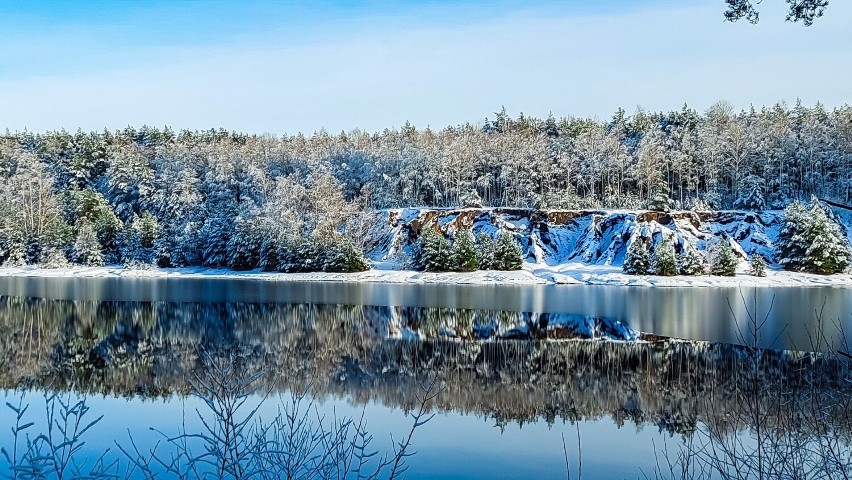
pixel 152 349
pixel 712 314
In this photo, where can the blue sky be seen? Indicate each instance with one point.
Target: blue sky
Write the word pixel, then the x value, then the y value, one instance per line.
pixel 285 66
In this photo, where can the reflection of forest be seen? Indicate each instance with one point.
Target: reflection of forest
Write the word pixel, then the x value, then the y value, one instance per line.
pixel 151 349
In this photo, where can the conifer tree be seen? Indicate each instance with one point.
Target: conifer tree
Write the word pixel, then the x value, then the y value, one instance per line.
pixel 268 254
pixel 758 265
pixel 724 261
pixel 827 250
pixel 343 256
pixel 243 246
pixel 661 201
pixel 52 257
pixel 486 252
pixel 464 251
pixel 792 242
pixel 87 249
pixel 664 261
pixel 637 261
pixel 17 252
pixel 507 252
pixel 436 253
pixel 692 262
pixel 148 228
pixel 751 194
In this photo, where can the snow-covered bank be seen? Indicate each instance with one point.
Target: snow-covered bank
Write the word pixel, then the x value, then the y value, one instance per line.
pixel 532 274
pixel 582 247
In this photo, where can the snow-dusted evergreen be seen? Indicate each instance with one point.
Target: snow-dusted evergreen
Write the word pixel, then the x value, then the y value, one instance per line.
pixel 751 194
pixel 811 241
pixel 87 248
pixel 637 261
pixel 827 251
pixel 464 251
pixel 436 253
pixel 661 201
pixel 792 243
pixel 663 261
pixel 723 260
pixel 758 265
pixel 486 252
pixel 507 253
pixel 692 262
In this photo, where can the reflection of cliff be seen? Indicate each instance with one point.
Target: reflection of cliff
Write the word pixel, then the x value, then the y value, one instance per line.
pixel 152 349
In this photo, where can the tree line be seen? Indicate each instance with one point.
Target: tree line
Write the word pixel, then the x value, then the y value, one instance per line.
pixel 299 202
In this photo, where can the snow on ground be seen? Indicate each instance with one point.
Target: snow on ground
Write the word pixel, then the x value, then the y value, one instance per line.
pixel 532 274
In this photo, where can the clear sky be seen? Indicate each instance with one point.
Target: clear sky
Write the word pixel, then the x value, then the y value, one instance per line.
pixel 282 66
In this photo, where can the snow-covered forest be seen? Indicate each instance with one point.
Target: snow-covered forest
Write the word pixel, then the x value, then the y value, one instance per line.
pixel 301 202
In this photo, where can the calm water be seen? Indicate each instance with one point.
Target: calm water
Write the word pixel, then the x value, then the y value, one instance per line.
pixel 133 347
pixel 790 316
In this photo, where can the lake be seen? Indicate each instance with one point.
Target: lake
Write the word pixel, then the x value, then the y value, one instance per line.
pixel 137 350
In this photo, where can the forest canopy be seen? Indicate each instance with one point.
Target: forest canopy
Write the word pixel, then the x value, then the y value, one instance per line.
pixel 223 198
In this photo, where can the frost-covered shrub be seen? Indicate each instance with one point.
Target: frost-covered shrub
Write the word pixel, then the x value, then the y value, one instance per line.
pixel 724 261
pixel 637 261
pixel 663 260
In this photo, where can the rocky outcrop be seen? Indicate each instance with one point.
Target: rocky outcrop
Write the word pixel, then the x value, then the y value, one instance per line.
pixel 599 237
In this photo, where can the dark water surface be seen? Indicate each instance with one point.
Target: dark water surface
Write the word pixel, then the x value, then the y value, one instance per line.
pixel 135 349
pixel 790 315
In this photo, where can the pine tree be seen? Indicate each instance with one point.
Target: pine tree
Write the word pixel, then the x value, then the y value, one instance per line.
pixel 661 201
pixel 464 251
pixel 243 246
pixel 268 254
pixel 751 194
pixel 436 253
pixel 827 251
pixel 663 259
pixel 343 256
pixel 52 257
pixel 724 261
pixel 792 242
pixel 87 249
pixel 148 228
pixel 692 262
pixel 507 252
pixel 758 265
pixel 486 252
pixel 637 261
pixel 17 252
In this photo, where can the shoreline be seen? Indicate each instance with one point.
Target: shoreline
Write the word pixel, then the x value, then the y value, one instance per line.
pixel 531 274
